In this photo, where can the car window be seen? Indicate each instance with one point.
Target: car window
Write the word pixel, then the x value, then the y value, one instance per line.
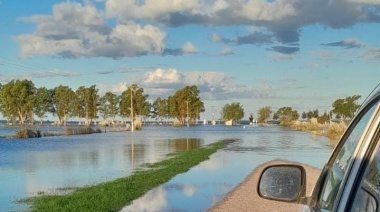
pixel 368 196
pixel 341 164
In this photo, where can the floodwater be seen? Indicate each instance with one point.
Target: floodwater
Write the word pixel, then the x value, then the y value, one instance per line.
pixel 31 166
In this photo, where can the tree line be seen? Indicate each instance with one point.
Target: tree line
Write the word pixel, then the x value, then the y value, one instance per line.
pixel 21 101
pixel 342 109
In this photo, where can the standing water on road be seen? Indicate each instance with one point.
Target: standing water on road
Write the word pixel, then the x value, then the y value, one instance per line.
pixel 53 164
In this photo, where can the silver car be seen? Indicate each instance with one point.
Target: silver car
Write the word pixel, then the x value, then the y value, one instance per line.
pixel 349 181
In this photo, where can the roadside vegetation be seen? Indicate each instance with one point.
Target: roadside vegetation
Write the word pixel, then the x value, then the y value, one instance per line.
pixel 114 195
pixel 311 121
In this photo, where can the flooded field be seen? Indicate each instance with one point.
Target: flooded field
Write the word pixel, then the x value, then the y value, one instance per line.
pixel 31 166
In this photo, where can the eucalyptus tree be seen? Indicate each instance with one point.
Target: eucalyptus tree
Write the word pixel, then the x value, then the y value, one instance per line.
pixel 142 106
pixel 264 114
pixel 78 104
pixel 103 108
pixel 42 100
pixel 112 101
pixel 134 97
pixel 233 111
pixel 161 108
pixel 91 104
pixel 17 99
pixel 186 103
pixel 172 107
pixel 86 103
pixel 6 103
pixel 64 103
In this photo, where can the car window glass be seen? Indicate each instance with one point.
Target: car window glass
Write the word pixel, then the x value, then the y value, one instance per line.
pixel 369 193
pixel 341 163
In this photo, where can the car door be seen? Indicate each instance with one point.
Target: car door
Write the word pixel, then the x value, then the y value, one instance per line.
pixel 329 190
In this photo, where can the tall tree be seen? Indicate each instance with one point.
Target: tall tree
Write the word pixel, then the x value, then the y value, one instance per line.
pixel 264 114
pixel 161 108
pixel 287 115
pixel 91 104
pixel 6 103
pixel 134 97
pixel 78 109
pixel 17 99
pixel 112 101
pixel 186 103
pixel 41 103
pixel 64 102
pixel 103 108
pixel 86 103
pixel 347 107
pixel 233 111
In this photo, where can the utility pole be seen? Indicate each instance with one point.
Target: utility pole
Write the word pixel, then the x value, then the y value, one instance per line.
pixel 132 109
pixel 187 114
pixel 213 116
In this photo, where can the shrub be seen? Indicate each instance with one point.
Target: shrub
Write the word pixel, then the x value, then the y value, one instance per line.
pixel 81 131
pixel 28 133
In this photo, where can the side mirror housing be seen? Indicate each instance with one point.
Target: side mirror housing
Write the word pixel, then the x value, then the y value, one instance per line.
pixel 285 182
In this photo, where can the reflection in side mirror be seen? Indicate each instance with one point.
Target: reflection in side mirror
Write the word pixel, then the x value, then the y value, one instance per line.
pixel 283 183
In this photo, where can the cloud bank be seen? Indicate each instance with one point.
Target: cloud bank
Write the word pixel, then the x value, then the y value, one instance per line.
pixel 213 85
pixel 76 30
pixel 284 18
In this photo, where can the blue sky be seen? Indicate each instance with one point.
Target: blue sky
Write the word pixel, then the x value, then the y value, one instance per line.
pixel 301 54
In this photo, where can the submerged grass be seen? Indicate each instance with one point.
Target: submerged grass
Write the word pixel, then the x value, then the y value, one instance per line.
pixel 114 195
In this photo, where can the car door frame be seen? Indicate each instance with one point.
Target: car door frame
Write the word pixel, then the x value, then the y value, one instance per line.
pixel 344 194
pixel 353 181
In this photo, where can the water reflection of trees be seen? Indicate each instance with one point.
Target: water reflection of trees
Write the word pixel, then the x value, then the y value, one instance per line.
pixel 135 153
pixel 184 144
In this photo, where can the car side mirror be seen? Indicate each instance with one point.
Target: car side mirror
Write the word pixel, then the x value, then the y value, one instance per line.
pixel 285 183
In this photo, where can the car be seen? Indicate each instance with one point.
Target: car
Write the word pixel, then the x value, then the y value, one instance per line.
pixel 349 180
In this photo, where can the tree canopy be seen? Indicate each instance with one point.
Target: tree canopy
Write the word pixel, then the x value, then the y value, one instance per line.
pixel 264 114
pixel 287 115
pixel 347 107
pixel 233 111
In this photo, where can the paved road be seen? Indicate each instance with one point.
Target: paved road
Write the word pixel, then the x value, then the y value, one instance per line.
pixel 245 198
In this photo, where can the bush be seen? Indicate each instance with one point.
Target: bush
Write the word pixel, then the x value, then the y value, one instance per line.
pixel 28 133
pixel 336 130
pixel 81 131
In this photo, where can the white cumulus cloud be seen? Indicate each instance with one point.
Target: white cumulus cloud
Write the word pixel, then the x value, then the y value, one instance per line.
pixel 189 48
pixel 213 85
pixel 74 30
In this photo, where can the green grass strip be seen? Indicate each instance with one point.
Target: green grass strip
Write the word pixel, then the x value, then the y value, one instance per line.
pixel 114 195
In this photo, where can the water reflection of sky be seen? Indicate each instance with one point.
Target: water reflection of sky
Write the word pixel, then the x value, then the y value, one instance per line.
pixel 45 164
pixel 206 184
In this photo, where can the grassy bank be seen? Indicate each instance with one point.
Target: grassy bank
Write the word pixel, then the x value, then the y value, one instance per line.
pixel 114 195
pixel 331 130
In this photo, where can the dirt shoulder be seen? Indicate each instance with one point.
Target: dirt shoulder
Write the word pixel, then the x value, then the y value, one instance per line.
pixel 245 198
